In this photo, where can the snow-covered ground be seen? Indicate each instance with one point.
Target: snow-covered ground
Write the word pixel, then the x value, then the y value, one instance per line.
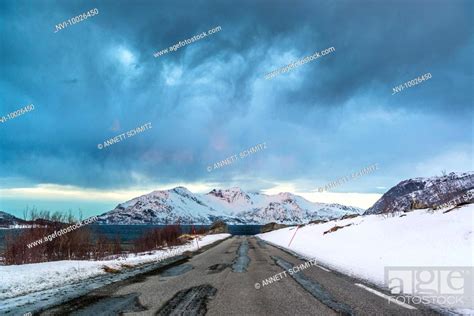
pixel 28 283
pixel 420 238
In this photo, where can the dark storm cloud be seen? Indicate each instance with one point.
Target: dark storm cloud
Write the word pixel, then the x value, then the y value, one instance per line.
pixel 209 100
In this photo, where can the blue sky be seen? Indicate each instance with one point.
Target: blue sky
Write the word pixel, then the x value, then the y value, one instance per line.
pixel 209 100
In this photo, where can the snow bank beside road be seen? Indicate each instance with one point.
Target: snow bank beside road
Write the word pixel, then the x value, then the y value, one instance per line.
pixel 373 242
pixel 17 280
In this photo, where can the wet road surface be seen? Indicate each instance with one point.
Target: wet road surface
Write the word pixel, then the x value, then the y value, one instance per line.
pixel 228 279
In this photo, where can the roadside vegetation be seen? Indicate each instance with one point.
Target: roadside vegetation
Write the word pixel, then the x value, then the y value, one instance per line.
pixel 79 244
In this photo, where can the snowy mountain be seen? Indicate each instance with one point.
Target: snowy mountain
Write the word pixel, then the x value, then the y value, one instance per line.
pixel 420 193
pixel 234 206
pixel 7 220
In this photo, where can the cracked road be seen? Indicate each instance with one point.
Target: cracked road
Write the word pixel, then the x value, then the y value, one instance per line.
pixel 222 281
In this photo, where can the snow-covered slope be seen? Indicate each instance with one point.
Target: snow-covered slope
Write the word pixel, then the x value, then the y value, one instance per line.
pixel 234 206
pixel 421 193
pixel 369 243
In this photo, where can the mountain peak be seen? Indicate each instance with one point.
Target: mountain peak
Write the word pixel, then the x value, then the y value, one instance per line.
pixel 229 195
pixel 182 190
pixel 230 190
pixel 286 195
pixel 234 189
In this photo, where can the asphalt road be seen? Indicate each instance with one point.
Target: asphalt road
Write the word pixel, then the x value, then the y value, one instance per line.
pixel 227 279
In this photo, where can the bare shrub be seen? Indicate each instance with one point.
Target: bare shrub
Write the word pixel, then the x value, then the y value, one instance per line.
pixel 336 228
pixel 157 238
pixel 76 244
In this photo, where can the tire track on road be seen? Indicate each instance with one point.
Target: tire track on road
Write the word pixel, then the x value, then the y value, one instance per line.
pixel 313 287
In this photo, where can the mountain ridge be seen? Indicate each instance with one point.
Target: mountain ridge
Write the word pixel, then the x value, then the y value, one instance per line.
pixel 430 192
pixel 233 205
pixel 7 220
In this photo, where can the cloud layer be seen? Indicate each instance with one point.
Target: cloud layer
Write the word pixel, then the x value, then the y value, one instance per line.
pixel 209 100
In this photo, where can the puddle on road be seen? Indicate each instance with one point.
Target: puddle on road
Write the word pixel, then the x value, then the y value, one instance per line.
pixel 174 271
pixel 111 306
pixel 316 289
pixel 192 301
pixel 242 261
pixel 216 268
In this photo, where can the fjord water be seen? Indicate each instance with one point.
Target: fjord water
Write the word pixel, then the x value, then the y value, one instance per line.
pixel 128 233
